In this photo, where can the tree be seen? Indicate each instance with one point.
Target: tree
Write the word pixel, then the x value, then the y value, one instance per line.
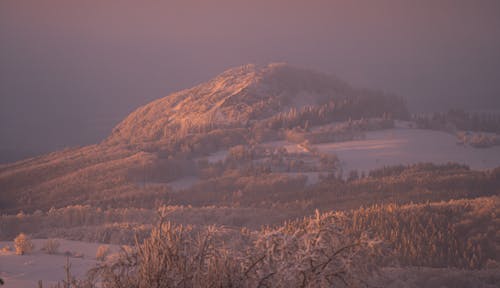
pixel 23 244
pixel 102 252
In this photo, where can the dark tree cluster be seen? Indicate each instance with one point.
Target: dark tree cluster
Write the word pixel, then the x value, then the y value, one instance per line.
pixel 459 120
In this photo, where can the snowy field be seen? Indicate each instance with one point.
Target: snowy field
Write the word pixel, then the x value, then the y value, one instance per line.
pixel 20 271
pixel 183 183
pixel 217 156
pixel 400 145
pixel 289 146
pixel 409 146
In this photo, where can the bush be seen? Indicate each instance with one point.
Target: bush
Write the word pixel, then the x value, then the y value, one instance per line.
pixel 51 246
pixel 102 252
pixel 23 244
pixel 309 253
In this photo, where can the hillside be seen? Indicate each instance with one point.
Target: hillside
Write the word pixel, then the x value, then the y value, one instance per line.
pixel 237 98
pixel 161 141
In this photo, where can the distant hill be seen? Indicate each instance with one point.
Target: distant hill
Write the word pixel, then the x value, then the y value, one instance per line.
pixel 163 140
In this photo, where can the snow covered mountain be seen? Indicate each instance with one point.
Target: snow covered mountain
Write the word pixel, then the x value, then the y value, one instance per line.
pixel 232 99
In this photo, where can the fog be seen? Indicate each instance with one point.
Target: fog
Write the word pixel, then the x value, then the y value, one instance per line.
pixel 71 70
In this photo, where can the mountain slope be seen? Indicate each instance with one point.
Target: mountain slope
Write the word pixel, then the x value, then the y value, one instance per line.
pixel 160 142
pixel 232 99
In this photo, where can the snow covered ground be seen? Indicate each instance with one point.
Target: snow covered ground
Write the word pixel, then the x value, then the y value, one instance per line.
pixel 409 146
pixel 289 146
pixel 312 177
pixel 184 183
pixel 217 156
pixel 19 271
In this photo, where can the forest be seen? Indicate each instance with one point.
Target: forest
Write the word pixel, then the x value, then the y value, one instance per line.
pixel 402 213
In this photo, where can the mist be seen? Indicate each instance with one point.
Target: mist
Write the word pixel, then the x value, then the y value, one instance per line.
pixel 71 70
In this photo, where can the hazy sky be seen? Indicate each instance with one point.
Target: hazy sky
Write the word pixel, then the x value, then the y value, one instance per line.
pixel 70 70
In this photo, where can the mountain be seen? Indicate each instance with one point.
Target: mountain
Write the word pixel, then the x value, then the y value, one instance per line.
pixel 233 99
pixel 163 141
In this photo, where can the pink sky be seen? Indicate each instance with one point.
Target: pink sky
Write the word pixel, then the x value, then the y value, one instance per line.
pixel 69 70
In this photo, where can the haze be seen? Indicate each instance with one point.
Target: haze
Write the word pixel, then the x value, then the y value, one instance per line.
pixel 70 70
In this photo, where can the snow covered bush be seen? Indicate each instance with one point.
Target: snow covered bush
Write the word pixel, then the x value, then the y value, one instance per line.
pixel 313 252
pixel 23 244
pixel 51 246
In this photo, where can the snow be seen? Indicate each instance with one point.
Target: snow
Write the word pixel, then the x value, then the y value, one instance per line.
pixel 177 185
pixel 312 177
pixel 404 124
pixel 289 146
pixel 409 146
pixel 217 156
pixel 21 271
pixel 183 183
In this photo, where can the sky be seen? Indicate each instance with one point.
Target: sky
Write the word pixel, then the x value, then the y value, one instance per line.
pixel 71 70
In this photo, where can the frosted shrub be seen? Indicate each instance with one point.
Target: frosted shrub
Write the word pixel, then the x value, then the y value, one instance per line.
pixel 102 252
pixel 309 253
pixel 23 244
pixel 51 246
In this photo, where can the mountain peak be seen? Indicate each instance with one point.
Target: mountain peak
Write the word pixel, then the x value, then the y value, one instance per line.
pixel 254 69
pixel 236 96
